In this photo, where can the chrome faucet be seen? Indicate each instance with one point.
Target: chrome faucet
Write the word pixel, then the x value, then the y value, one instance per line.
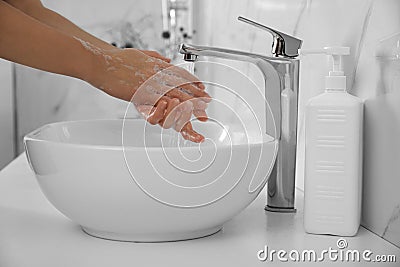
pixel 280 72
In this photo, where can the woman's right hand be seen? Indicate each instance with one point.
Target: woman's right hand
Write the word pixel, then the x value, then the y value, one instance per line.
pixel 163 93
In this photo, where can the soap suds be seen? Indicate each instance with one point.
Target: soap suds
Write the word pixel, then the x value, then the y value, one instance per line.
pixel 94 49
pixel 153 60
pixel 88 46
pixel 140 74
pixel 107 58
pixel 123 82
pixel 157 68
pixel 129 67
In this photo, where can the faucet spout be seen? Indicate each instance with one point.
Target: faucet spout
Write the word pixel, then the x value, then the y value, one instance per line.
pixel 189 50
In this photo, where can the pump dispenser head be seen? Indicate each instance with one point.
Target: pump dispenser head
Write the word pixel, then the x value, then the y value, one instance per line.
pixel 336 81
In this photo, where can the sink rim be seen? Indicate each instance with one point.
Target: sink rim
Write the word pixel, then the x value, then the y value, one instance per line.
pixel 32 136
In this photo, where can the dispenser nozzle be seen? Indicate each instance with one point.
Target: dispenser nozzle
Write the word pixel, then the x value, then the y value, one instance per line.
pixel 336 79
pixel 335 51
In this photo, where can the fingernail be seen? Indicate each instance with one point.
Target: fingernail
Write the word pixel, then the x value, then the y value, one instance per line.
pixel 203 119
pixel 200 85
pixel 200 139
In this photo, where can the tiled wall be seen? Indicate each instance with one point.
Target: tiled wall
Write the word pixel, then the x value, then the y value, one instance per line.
pixel 359 24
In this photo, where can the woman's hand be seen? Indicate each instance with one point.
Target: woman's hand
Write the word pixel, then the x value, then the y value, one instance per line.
pixel 163 93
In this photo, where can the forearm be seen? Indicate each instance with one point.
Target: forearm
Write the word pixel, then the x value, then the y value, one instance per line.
pixel 29 42
pixel 35 9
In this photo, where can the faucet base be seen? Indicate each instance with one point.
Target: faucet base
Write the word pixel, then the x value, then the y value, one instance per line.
pixel 281 210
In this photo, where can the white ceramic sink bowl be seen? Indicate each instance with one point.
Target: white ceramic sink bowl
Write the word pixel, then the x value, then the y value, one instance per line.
pixel 134 183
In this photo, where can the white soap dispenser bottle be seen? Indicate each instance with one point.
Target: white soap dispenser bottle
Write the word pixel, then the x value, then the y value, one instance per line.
pixel 333 155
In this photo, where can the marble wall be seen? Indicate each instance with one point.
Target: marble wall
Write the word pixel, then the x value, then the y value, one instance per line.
pixel 359 24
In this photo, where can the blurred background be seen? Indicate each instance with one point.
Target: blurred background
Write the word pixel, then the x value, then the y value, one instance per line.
pixel 371 28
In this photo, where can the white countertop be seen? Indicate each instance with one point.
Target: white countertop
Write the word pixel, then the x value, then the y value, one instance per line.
pixel 33 233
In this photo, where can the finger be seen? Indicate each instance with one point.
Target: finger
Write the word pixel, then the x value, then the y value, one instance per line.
pixel 181 95
pixel 158 113
pixel 155 54
pixel 201 115
pixel 179 82
pixel 149 94
pixel 180 72
pixel 193 90
pixel 189 134
pixel 169 113
pixel 145 110
pixel 199 103
pixel 186 110
pixel 199 109
pixel 200 85
pixel 145 101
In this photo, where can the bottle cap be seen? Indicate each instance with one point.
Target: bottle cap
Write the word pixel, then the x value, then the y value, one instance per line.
pixel 336 80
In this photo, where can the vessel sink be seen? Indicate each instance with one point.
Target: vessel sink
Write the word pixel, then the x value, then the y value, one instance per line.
pixel 128 180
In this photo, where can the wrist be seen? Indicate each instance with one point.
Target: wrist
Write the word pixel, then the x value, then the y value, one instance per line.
pixel 91 63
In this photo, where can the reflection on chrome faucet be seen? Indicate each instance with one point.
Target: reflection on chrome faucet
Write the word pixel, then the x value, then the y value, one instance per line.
pixel 281 75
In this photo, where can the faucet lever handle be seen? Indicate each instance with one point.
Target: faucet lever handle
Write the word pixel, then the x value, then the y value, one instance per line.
pixel 283 45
